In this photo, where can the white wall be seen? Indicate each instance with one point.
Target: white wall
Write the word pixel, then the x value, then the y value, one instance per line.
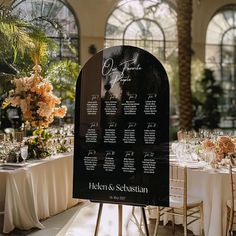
pixel 92 16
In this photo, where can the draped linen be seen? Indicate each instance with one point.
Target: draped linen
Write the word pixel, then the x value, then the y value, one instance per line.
pixel 39 190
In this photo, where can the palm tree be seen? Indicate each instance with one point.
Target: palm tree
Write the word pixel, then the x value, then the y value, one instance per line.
pixel 14 37
pixel 18 37
pixel 184 16
pixel 21 46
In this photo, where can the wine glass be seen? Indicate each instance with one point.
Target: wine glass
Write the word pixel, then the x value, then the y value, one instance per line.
pixel 16 148
pixel 18 151
pixel 53 146
pixel 24 152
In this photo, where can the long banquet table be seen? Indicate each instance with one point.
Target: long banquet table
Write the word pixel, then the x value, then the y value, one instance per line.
pixel 37 191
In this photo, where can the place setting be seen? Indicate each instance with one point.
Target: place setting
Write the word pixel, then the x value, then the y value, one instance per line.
pixel 213 152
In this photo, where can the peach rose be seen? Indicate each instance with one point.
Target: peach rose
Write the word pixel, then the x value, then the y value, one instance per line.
pixel 208 144
pixel 35 98
pixel 226 145
pixel 233 140
pixel 60 112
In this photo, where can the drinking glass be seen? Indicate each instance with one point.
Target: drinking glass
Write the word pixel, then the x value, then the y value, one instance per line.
pixel 16 148
pixel 18 151
pixel 24 152
pixel 53 146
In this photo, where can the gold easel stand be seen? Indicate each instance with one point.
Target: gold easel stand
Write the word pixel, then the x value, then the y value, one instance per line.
pixel 119 220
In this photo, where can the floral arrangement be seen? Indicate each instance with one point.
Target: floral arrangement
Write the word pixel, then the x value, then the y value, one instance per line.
pixel 35 98
pixel 208 144
pixel 38 144
pixel 222 147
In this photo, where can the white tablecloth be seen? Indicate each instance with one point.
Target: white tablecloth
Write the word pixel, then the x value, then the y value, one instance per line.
pixel 35 192
pixel 213 188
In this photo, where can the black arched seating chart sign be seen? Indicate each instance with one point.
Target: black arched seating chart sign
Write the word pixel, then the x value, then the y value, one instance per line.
pixel 121 152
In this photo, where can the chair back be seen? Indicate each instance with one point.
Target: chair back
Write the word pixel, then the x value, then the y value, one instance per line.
pixel 180 135
pixel 232 185
pixel 178 184
pixel 2 137
pixel 19 136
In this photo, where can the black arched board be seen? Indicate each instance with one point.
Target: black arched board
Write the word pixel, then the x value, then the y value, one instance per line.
pixel 121 152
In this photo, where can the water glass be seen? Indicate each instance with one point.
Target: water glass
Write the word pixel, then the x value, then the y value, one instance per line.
pixel 18 151
pixel 24 152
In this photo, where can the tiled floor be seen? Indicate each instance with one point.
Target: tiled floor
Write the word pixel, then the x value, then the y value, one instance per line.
pixel 80 221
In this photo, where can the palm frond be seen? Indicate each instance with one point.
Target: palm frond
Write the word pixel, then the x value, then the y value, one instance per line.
pixel 63 75
pixel 18 36
pixel 14 33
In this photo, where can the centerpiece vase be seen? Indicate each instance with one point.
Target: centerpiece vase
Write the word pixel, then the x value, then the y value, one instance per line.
pixel 38 144
pixel 211 158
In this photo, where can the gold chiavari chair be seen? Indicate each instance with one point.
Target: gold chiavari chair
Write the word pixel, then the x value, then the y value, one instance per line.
pixel 181 135
pixel 2 137
pixel 19 136
pixel 230 204
pixel 189 208
pixel 185 135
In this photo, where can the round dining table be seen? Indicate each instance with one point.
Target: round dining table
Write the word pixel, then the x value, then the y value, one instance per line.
pixel 212 186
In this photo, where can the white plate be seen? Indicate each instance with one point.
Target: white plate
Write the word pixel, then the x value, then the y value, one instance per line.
pixel 196 165
pixel 172 155
pixel 13 164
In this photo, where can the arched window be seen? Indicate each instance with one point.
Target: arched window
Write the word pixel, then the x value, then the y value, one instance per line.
pixel 149 24
pixel 221 55
pixel 57 20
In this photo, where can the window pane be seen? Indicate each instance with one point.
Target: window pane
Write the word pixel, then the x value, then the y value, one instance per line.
pixel 55 18
pixel 149 24
pixel 221 55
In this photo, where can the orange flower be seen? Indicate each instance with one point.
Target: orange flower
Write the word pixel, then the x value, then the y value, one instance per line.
pixel 208 144
pixel 35 98
pixel 60 112
pixel 226 145
pixel 234 140
pixel 14 101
